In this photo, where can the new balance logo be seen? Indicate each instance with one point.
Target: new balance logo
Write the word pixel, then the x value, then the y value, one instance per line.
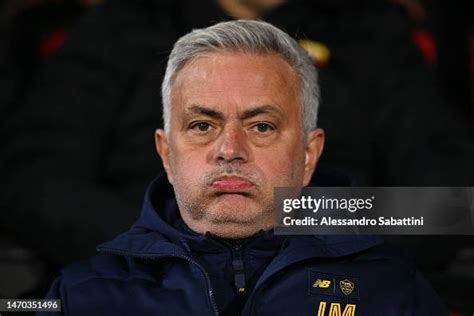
pixel 321 283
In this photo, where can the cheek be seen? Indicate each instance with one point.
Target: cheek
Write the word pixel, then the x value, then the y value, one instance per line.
pixel 179 163
pixel 184 167
pixel 188 166
pixel 283 167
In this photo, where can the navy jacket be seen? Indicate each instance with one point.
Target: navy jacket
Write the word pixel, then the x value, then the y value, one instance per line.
pixel 155 268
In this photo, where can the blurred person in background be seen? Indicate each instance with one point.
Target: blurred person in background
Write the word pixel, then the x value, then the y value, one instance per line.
pixel 77 153
pixel 443 32
pixel 30 32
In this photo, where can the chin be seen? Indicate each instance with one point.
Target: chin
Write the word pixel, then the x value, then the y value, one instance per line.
pixel 234 222
pixel 236 209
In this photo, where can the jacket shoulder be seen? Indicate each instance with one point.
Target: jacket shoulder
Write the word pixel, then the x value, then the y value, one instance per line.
pixel 396 257
pixel 101 266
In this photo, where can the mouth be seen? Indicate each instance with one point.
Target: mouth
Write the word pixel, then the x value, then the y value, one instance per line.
pixel 232 185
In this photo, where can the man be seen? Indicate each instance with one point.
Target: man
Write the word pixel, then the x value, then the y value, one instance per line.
pixel 240 102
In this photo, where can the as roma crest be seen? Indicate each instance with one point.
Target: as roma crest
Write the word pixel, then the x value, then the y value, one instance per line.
pixel 346 286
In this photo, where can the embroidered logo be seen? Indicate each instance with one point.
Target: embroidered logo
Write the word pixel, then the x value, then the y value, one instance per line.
pixel 324 284
pixel 346 286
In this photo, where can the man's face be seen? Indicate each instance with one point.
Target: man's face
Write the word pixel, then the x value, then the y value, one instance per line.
pixel 235 134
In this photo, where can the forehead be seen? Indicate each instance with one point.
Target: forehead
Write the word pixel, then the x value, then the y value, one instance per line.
pixel 232 80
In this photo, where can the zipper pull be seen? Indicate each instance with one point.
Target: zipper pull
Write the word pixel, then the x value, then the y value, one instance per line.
pixel 239 271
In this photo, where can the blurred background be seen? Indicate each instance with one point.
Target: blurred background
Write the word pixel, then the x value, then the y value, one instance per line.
pixel 80 99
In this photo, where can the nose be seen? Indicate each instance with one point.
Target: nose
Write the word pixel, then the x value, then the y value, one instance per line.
pixel 231 145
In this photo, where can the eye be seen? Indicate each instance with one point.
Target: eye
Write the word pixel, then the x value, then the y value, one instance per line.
pixel 263 127
pixel 200 126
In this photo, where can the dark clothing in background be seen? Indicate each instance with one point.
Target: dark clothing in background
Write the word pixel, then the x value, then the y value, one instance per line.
pixel 80 148
pixel 159 268
pixel 26 39
pixel 31 29
pixel 30 32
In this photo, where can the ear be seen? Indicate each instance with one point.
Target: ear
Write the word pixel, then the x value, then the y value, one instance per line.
pixel 313 150
pixel 163 149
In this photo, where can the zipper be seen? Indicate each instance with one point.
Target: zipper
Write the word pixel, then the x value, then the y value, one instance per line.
pixel 174 255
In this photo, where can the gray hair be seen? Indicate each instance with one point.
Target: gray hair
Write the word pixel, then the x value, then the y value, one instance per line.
pixel 245 36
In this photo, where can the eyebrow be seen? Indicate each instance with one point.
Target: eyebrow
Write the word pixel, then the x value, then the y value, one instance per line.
pixel 249 113
pixel 263 109
pixel 199 109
